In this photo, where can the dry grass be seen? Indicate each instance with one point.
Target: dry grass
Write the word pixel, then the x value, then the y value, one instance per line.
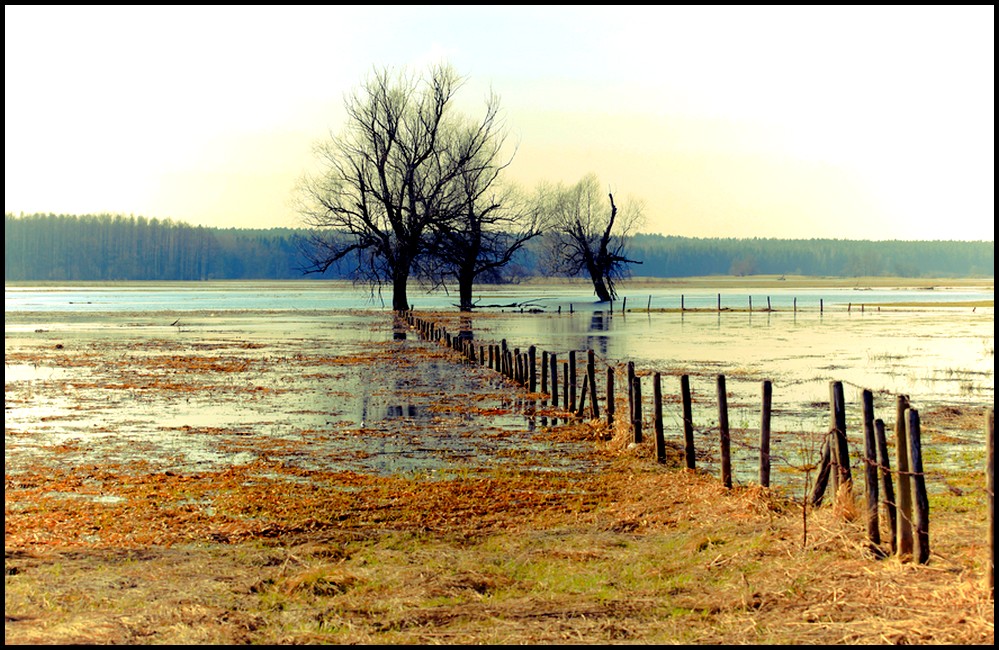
pixel 638 553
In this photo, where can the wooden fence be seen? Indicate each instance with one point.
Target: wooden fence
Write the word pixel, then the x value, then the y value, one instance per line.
pixel 907 510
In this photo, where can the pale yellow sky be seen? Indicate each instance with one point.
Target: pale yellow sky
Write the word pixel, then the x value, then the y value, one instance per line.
pixel 788 122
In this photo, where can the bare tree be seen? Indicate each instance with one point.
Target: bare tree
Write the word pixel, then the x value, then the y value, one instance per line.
pixel 588 234
pixel 389 179
pixel 490 226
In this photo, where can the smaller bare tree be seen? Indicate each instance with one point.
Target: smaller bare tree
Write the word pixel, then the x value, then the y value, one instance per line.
pixel 588 234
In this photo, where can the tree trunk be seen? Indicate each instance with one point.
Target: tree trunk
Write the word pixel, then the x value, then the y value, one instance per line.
pixel 400 300
pixel 465 281
pixel 600 287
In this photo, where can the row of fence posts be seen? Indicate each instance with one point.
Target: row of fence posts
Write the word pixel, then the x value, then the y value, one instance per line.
pixel 683 305
pixel 907 512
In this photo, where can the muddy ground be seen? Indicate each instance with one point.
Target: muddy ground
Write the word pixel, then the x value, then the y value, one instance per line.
pixel 248 480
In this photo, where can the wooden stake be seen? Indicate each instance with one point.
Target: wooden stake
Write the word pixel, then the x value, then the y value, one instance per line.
pixel 688 422
pixel 887 489
pixel 657 404
pixel 904 483
pixel 871 470
pixel 921 549
pixel 765 434
pixel 726 458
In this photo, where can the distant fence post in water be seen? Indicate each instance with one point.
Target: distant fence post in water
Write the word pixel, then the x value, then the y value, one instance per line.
pixel 725 440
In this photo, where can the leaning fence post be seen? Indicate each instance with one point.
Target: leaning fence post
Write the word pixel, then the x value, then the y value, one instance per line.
pixel 688 422
pixel 726 459
pixel 871 470
pixel 657 403
pixel 922 537
pixel 765 434
pixel 840 451
pixel 825 469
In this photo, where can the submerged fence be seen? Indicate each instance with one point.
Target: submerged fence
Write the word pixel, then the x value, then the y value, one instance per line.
pixel 906 509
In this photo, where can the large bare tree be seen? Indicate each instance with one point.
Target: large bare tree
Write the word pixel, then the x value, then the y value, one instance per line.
pixel 588 234
pixel 389 179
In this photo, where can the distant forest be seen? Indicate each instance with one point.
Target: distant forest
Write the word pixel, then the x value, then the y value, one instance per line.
pixel 67 248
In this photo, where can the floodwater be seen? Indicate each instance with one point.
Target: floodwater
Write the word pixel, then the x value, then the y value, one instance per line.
pixel 97 374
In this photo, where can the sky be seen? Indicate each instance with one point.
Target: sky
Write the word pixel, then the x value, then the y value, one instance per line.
pixel 844 122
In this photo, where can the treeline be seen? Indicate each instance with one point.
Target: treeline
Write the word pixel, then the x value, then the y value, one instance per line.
pixel 67 248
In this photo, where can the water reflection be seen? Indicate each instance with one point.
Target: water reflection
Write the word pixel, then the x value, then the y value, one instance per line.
pixel 599 322
pixel 399 328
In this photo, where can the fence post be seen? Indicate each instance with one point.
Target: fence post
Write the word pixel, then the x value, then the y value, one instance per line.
pixel 688 422
pixel 566 404
pixel 532 361
pixel 631 391
pixel 726 459
pixel 904 484
pixel 636 411
pixel 841 452
pixel 544 372
pixel 825 469
pixel 886 484
pixel 572 380
pixel 765 434
pixel 591 374
pixel 871 471
pixel 990 432
pixel 554 371
pixel 610 396
pixel 922 505
pixel 657 402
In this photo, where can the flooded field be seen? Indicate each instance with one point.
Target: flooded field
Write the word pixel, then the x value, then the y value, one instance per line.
pixel 103 376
